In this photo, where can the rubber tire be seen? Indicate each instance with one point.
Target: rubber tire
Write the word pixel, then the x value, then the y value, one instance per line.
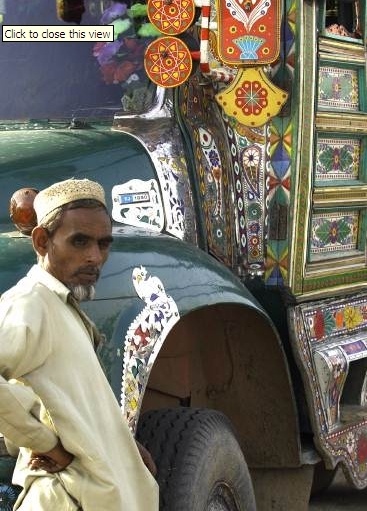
pixel 322 479
pixel 199 461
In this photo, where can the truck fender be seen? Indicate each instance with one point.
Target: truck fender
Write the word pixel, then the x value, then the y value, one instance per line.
pixel 190 333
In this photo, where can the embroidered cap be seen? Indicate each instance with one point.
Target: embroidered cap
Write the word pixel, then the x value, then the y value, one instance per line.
pixel 63 192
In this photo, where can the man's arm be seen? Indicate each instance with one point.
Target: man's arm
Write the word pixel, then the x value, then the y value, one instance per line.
pixel 23 349
pixel 17 422
pixel 54 459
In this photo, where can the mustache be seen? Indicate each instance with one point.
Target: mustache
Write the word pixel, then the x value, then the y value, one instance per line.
pixel 89 270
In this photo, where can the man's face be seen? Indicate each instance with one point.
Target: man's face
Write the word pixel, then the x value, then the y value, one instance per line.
pixel 78 249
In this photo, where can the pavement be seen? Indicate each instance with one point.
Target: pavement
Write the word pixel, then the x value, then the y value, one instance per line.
pixel 340 496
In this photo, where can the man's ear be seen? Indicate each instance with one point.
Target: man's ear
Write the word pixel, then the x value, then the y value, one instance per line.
pixel 40 240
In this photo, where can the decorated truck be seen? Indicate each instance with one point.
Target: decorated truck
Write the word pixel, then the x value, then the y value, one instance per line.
pixel 230 138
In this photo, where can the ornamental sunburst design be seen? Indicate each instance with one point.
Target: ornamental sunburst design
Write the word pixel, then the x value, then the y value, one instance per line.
pixel 171 16
pixel 251 97
pixel 168 60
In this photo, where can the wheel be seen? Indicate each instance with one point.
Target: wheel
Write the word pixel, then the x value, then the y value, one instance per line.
pixel 322 479
pixel 8 496
pixel 199 461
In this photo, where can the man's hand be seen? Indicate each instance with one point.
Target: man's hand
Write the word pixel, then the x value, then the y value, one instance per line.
pixel 147 458
pixel 55 460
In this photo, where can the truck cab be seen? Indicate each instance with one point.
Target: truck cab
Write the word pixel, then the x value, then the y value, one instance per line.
pixel 230 140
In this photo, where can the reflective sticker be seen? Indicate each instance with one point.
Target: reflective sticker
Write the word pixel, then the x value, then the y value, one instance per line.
pixel 138 203
pixel 144 338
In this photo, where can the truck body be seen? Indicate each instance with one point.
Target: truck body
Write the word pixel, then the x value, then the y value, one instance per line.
pixel 230 140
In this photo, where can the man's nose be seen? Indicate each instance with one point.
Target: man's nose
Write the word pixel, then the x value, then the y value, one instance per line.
pixel 94 254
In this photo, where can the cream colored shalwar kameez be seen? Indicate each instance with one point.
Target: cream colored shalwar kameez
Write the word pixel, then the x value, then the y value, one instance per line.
pixel 45 345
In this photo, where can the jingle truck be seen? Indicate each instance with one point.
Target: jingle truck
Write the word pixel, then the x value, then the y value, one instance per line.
pixel 230 138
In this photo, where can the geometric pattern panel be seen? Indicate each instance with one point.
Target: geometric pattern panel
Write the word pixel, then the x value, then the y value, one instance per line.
pixel 279 165
pixel 332 234
pixel 338 88
pixel 337 159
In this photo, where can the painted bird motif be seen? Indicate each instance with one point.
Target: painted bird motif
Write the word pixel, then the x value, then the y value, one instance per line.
pixel 257 10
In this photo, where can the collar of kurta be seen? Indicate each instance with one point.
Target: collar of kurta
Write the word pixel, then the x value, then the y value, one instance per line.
pixel 38 274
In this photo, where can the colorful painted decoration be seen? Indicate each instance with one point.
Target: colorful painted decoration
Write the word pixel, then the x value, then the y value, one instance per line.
pixel 210 64
pixel 214 168
pixel 248 151
pixel 144 339
pixel 248 31
pixel 338 319
pixel 170 173
pixel 252 99
pixel 335 232
pixel 171 17
pixel 329 343
pixel 337 159
pixel 168 62
pixel 331 367
pixel 338 88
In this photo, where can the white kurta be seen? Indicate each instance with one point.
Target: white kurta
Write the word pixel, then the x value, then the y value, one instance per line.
pixel 45 345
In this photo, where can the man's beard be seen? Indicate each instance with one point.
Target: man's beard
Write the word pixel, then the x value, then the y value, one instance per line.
pixel 82 293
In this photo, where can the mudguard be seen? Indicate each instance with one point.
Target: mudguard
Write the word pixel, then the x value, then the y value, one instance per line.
pixel 154 280
pixel 151 284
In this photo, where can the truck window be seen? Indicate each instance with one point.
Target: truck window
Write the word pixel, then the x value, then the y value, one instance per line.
pixel 342 18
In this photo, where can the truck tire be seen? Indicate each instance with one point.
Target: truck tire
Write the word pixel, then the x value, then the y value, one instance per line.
pixel 322 479
pixel 200 465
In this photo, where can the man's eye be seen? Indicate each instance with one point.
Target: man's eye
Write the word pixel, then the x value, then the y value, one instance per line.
pixel 104 244
pixel 79 242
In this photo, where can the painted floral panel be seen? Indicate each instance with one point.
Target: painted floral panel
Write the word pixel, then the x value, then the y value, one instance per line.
pixel 333 233
pixel 337 159
pixel 338 88
pixel 335 320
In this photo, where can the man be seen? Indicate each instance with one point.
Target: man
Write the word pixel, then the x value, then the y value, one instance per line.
pixel 76 451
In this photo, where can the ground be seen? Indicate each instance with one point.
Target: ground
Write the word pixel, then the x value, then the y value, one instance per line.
pixel 340 497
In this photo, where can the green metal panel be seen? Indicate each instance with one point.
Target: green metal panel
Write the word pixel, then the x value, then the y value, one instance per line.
pixel 37 157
